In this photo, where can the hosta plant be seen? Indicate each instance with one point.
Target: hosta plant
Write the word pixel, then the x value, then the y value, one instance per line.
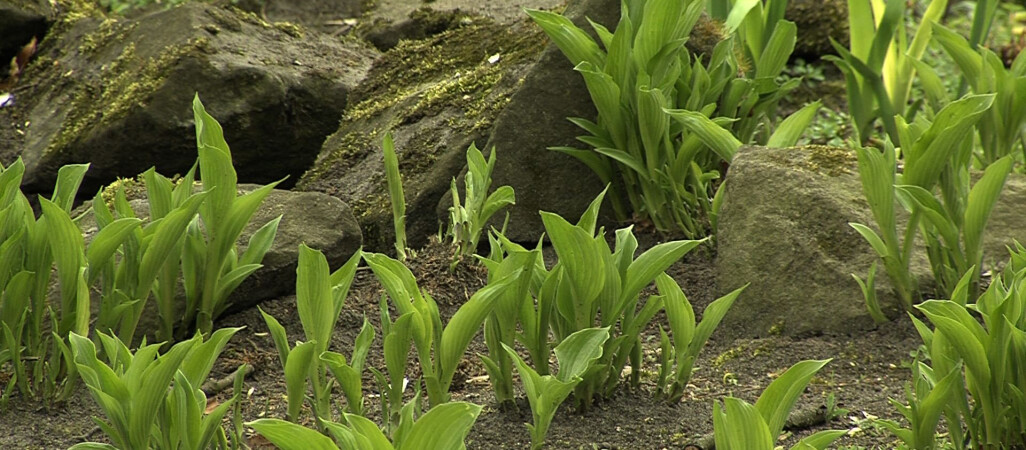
pixel 678 354
pixel 935 153
pixel 575 355
pixel 320 295
pixel 439 347
pixel 395 194
pixel 663 169
pixel 592 285
pixel 881 63
pixel 989 353
pixel 152 400
pixel 33 332
pixel 1000 128
pixel 500 328
pixel 467 219
pixel 444 427
pixel 739 425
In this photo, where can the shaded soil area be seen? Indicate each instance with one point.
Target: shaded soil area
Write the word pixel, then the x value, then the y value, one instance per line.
pixel 866 370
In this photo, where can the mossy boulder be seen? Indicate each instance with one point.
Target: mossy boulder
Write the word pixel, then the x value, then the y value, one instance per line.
pixel 784 228
pixel 20 21
pixel 321 15
pixel 436 96
pixel 818 21
pixel 125 89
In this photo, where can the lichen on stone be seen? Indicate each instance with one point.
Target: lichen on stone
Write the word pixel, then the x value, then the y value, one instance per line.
pixel 123 85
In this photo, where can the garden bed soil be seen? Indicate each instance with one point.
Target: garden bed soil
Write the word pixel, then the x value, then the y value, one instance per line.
pixel 865 371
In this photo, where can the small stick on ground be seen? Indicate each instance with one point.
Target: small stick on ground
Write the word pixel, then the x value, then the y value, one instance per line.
pixel 212 387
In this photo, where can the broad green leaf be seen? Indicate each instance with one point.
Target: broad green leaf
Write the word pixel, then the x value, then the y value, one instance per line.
pixel 779 397
pixel 821 439
pixel 314 300
pixel 69 178
pixel 107 241
pixel 777 51
pixel 289 436
pixel 791 128
pixel 574 42
pixel 982 198
pixel 578 352
pixel 297 367
pixel 260 242
pixel 196 366
pixel 444 427
pixel 743 427
pixel 717 138
pixel 466 322
pixel 654 262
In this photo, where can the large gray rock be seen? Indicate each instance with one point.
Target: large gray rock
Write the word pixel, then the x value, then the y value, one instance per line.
pixel 117 93
pixel 536 118
pixel 318 220
pixel 435 96
pixel 20 21
pixel 784 228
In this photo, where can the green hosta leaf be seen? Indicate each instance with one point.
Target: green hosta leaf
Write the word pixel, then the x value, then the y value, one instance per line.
pixel 500 198
pixel 740 426
pixel 791 128
pixel 369 431
pixel 982 198
pixel 574 42
pixel 278 335
pixel 579 351
pixel 107 241
pixel 171 228
pixel 820 440
pixel 778 50
pixel 260 242
pixel 654 262
pixel 444 427
pixel 314 299
pixel 465 324
pixel 196 367
pixel 69 178
pixel 297 367
pixel 579 254
pixel 717 138
pixel 289 436
pixel 776 401
pixel 738 12
pixel 968 60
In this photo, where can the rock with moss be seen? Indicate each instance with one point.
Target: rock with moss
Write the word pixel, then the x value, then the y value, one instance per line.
pixel 20 21
pixel 436 96
pixel 784 228
pixel 818 21
pixel 321 15
pixel 117 93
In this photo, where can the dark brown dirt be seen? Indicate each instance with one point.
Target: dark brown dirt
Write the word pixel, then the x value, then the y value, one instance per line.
pixel 865 371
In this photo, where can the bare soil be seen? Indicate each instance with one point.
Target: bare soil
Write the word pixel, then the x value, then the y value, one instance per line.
pixel 865 371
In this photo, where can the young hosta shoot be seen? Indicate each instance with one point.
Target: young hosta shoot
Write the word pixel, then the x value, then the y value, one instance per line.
pixel 992 355
pixel 878 67
pixel 467 220
pixel 215 268
pixel 444 427
pixel 320 295
pixel 133 391
pixel 575 355
pixel 500 328
pixel 935 153
pixel 439 349
pixel 1000 128
pixel 349 375
pixel 688 339
pixel 594 285
pixel 738 425
pixel 928 398
pixel 395 193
